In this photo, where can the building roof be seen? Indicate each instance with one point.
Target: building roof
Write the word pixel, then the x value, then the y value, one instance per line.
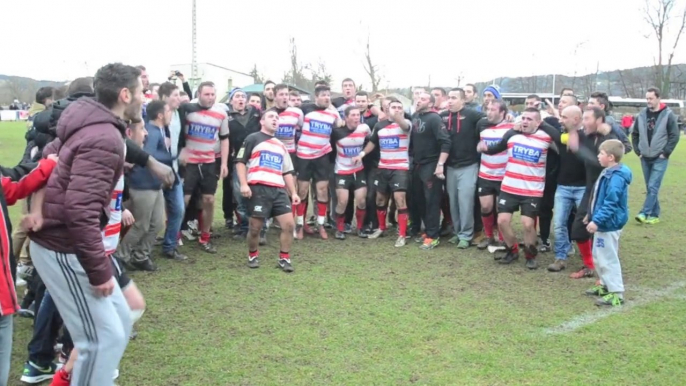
pixel 258 88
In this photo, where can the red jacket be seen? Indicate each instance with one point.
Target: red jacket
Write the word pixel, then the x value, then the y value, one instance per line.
pixel 17 183
pixel 78 194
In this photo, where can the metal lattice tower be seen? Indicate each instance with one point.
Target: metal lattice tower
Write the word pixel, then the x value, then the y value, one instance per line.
pixel 194 60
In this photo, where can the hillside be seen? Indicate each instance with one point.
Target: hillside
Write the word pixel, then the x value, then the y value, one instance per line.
pixel 24 89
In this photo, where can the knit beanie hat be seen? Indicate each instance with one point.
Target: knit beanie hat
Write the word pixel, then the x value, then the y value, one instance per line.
pixel 495 90
pixel 234 91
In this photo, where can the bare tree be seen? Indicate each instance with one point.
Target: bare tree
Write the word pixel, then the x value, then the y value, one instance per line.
pixel 624 87
pixel 258 78
pixel 23 89
pixel 371 69
pixel 320 73
pixel 296 74
pixel 659 15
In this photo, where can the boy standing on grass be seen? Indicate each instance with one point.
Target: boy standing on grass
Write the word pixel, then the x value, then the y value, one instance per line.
pixel 608 213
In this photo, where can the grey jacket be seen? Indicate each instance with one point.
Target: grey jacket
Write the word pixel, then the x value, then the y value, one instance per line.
pixel 665 136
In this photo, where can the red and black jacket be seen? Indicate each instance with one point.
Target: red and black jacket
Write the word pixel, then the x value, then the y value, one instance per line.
pixel 17 183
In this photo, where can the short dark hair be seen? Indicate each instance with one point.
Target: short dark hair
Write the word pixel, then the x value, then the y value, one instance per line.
pixel 154 109
pixel 321 83
pixel 392 99
pixel 441 89
pixel 534 96
pixel 81 86
pixel 349 109
pixel 111 79
pixel 531 110
pixel 347 80
pixel 166 89
pixel 254 95
pixel 598 113
pixel 476 90
pixel 61 92
pixel 362 93
pixel 502 106
pixel 294 93
pixel 655 91
pixel 602 99
pixel 320 89
pixel 43 94
pixel 141 68
pixel 566 89
pixel 268 82
pixel 280 86
pixel 201 86
pixel 460 91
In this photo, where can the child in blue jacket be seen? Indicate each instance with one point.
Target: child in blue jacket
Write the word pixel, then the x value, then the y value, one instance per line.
pixel 609 212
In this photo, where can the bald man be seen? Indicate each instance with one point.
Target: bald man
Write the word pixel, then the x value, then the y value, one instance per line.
pixel 571 184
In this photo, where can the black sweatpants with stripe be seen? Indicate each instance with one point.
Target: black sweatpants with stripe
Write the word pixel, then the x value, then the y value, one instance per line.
pixel 99 326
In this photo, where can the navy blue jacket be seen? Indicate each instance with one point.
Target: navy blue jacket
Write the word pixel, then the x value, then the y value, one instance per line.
pixel 610 207
pixel 141 178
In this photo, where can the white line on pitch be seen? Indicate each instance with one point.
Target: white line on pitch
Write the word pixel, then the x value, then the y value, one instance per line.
pixel 644 296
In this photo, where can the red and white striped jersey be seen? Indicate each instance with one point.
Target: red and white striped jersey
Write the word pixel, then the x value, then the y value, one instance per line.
pixel 349 144
pixel 315 140
pixel 204 129
pixel 266 158
pixel 493 166
pixel 527 154
pixel 290 122
pixel 110 235
pixel 394 145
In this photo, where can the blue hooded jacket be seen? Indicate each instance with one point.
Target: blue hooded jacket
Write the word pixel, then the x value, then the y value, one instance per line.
pixel 610 206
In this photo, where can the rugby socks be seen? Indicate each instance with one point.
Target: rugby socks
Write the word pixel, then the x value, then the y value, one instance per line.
pixel 402 222
pixel 381 215
pixel 489 222
pixel 321 212
pixel 359 215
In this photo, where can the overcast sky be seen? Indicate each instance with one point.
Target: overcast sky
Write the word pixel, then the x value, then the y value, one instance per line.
pixel 410 41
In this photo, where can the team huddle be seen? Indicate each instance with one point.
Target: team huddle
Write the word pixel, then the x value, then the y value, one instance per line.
pixel 442 167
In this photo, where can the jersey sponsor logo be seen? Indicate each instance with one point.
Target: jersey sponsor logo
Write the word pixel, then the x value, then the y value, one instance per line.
pixel 526 153
pixel 271 160
pixel 351 151
pixel 257 208
pixel 202 131
pixel 319 127
pixel 490 141
pixel 117 202
pixel 389 143
pixel 285 131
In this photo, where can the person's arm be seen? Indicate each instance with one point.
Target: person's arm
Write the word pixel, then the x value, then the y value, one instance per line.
pixel 602 214
pixel 371 144
pixel 502 145
pixel 552 132
pixel 187 89
pixel 224 144
pixel 135 155
pixel 90 185
pixel 635 136
pixel 443 138
pixel 617 130
pixel 22 180
pixel 672 135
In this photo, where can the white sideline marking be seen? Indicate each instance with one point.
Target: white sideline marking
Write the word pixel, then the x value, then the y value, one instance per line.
pixel 645 296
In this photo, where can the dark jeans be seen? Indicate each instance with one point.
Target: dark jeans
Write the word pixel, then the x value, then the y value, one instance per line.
pixel 426 195
pixel 370 217
pixel 228 205
pixel 46 328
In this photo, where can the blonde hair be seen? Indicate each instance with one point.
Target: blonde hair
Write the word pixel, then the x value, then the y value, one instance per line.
pixel 613 147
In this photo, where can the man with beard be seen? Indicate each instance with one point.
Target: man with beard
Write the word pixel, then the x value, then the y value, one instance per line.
pixel 392 137
pixel 441 99
pixel 265 172
pixel 255 100
pixel 471 94
pixel 523 182
pixel 349 175
pixel 585 144
pixel 463 166
pixel 244 119
pixel 69 249
pixel 206 127
pixel 431 145
pixel 492 129
pixel 268 93
pixel 313 150
pixel 290 123
pixel 601 100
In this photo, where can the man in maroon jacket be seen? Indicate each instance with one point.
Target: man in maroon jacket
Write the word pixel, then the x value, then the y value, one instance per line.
pixel 68 250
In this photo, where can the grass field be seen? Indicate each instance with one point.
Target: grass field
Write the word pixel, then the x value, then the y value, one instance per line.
pixel 361 312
